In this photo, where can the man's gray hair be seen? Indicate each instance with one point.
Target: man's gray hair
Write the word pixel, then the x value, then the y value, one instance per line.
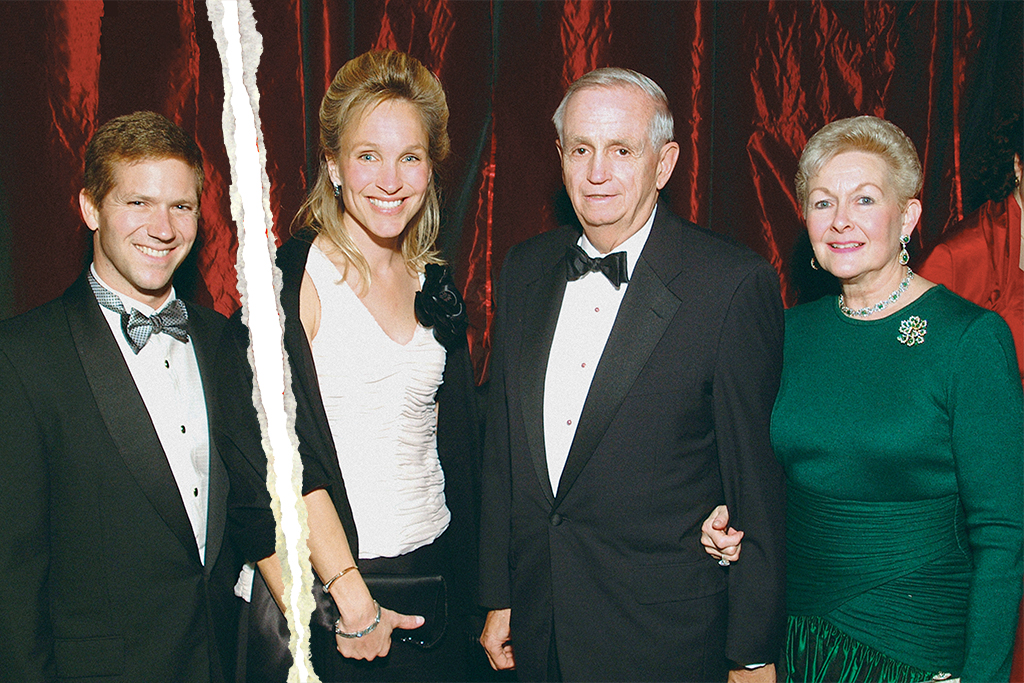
pixel 661 128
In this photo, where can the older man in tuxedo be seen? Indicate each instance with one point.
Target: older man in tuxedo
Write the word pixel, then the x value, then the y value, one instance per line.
pixel 113 565
pixel 634 371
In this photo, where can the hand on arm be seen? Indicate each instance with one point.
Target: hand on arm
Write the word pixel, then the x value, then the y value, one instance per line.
pixel 329 554
pixel 495 639
pixel 720 540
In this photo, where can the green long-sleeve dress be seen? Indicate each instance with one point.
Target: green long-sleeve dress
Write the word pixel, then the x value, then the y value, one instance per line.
pixel 902 443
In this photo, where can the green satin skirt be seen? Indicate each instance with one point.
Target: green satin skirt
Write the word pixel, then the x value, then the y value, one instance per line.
pixel 816 652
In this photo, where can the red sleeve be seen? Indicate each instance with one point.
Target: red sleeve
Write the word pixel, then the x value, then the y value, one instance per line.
pixel 963 266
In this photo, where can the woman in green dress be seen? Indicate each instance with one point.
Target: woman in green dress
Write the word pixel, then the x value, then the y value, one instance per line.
pixel 899 424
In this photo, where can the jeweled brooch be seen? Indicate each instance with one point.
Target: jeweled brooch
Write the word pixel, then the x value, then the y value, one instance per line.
pixel 912 331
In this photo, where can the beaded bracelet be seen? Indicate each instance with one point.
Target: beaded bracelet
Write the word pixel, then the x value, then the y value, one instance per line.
pixel 359 634
pixel 346 570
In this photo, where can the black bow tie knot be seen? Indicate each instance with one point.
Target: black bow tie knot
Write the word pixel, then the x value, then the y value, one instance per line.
pixel 578 264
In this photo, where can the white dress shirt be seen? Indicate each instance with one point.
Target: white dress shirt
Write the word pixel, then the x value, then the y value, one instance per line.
pixel 166 374
pixel 588 312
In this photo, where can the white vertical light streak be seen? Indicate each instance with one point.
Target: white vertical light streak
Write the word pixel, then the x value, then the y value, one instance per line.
pixel 240 47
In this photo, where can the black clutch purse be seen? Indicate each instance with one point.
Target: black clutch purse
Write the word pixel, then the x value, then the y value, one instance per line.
pixel 426 596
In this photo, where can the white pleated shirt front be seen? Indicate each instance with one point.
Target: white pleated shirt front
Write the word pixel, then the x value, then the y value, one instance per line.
pixel 379 396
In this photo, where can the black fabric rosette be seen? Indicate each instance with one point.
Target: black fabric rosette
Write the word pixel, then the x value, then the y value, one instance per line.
pixel 440 306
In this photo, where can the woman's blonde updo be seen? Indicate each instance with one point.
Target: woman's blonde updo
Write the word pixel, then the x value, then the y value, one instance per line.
pixel 868 134
pixel 363 82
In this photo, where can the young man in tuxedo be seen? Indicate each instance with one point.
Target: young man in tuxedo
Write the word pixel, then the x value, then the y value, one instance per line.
pixel 625 404
pixel 113 564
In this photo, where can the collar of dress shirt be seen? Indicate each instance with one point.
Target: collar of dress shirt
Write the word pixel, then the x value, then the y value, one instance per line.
pixel 130 303
pixel 632 246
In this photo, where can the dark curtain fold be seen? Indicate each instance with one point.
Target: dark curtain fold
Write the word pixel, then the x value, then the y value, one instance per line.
pixel 749 82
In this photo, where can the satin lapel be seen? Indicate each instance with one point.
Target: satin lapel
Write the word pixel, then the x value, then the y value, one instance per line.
pixel 123 410
pixel 542 305
pixel 205 342
pixel 646 310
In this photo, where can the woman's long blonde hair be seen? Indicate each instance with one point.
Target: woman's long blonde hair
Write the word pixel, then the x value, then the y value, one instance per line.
pixel 362 83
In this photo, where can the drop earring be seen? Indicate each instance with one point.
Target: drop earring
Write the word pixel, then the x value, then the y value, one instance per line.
pixel 337 191
pixel 904 256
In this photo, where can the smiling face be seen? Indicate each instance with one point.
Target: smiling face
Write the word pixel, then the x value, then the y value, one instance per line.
pixel 854 221
pixel 611 170
pixel 144 228
pixel 384 170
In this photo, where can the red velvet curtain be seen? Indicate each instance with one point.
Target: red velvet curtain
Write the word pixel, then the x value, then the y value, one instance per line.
pixel 748 83
pixel 66 67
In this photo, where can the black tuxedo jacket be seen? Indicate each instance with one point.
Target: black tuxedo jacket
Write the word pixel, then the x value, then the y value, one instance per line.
pixel 609 568
pixel 100 575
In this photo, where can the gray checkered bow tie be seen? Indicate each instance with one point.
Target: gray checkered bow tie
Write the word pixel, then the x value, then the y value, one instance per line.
pixel 139 327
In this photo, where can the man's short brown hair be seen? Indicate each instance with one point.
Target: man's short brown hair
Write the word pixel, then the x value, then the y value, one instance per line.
pixel 136 137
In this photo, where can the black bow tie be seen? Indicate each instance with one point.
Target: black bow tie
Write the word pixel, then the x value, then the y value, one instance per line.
pixel 578 264
pixel 139 327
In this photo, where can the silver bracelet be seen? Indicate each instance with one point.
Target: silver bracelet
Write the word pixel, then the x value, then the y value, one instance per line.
pixel 359 634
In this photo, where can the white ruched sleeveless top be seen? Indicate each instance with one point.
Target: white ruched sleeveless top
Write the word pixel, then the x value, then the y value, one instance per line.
pixel 379 399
